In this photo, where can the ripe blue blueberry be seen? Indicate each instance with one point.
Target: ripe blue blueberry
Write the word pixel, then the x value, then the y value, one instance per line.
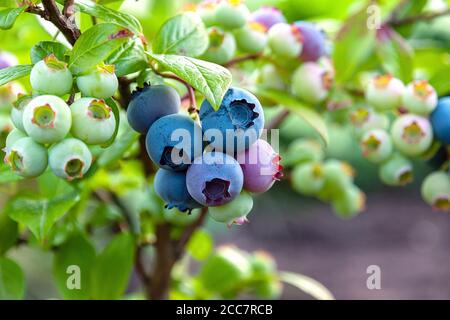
pixel 26 157
pixel 171 187
pixel 51 76
pixel 150 103
pixel 69 159
pixel 214 179
pixel 267 16
pixel 439 120
pixel 314 45
pixel 93 121
pixel 101 83
pixel 173 141
pixel 222 46
pixel 236 125
pixel 47 119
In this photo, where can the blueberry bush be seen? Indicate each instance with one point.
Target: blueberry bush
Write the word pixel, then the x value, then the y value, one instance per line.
pixel 127 125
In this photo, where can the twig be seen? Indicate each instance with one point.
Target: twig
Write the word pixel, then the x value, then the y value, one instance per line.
pixel 65 24
pixel 421 17
pixel 278 119
pixel 242 59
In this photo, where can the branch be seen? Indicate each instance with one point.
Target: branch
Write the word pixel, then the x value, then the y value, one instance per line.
pixel 242 59
pixel 278 119
pixel 421 17
pixel 188 233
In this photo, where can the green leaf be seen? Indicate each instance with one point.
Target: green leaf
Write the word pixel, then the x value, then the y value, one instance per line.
pixel 12 280
pixel 115 109
pixel 9 16
pixel 353 46
pixel 75 257
pixel 200 245
pixel 208 78
pixel 7 175
pixel 129 58
pixel 307 285
pixel 14 73
pixel 45 48
pixel 118 148
pixel 184 34
pixel 108 15
pixel 95 45
pixel 40 214
pixel 113 267
pixel 308 114
pixel 395 54
pixel 8 232
pixel 440 80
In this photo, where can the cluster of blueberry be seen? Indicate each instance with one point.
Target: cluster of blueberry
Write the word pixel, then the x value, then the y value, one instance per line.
pixel 207 164
pixel 417 129
pixel 232 28
pixel 47 132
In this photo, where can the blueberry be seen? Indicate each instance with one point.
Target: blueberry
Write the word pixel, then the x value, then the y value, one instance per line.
pixel 236 125
pixel 436 190
pixel 412 134
pixel 308 178
pixel 27 158
pixel 285 40
pixel 365 119
pixel 222 46
pixel 214 179
pixel 396 171
pixel 311 82
pixel 69 159
pixel 419 97
pixel 17 110
pixel 351 202
pixel 231 14
pixel 171 187
pixel 376 145
pixel 234 212
pixel 101 83
pixel 207 11
pixel 439 120
pixel 261 166
pixel 313 41
pixel 252 38
pixel 47 119
pixel 93 121
pixel 150 103
pixel 7 60
pixel 8 94
pixel 51 76
pixel 267 16
pixel 13 136
pixel 173 141
pixel 384 92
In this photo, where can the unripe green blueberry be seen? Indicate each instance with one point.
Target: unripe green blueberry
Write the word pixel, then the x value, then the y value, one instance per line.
pixel 396 171
pixel 308 178
pixel 17 110
pixel 412 134
pixel 47 119
pixel 5 125
pixel 301 151
pixel 338 176
pixel 350 202
pixel 252 38
pixel 420 97
pixel 222 46
pixel 311 82
pixel 376 145
pixel 207 11
pixel 69 159
pixel 51 76
pixel 93 121
pixel 101 83
pixel 8 94
pixel 285 40
pixel 270 288
pixel 365 119
pixel 268 76
pixel 13 136
pixel 179 218
pixel 234 212
pixel 262 264
pixel 384 92
pixel 436 190
pixel 231 14
pixel 26 157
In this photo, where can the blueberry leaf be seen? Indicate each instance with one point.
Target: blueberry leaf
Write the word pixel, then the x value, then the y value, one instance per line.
pixel 184 34
pixel 129 58
pixel 200 245
pixel 12 280
pixel 9 16
pixel 313 118
pixel 116 150
pixel 115 109
pixel 45 48
pixel 207 78
pixel 95 45
pixel 14 73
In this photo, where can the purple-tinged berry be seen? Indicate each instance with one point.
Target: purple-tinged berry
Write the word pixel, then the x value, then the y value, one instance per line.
pixel 261 166
pixel 150 103
pixel 236 125
pixel 412 134
pixel 47 119
pixel 252 38
pixel 440 120
pixel 436 190
pixel 214 179
pixel 51 76
pixel 311 82
pixel 69 159
pixel 7 60
pixel 222 46
pixel 174 141
pixel 376 145
pixel 101 83
pixel 285 40
pixel 26 157
pixel 385 92
pixel 267 16
pixel 420 97
pixel 171 187
pixel 93 121
pixel 314 45
pixel 396 171
pixel 234 212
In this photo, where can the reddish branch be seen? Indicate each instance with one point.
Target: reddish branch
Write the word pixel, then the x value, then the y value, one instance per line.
pixel 242 59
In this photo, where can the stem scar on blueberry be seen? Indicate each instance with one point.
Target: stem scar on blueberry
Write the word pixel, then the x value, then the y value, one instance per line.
pixel 74 168
pixel 241 114
pixel 216 190
pixel 99 110
pixel 15 160
pixel 278 168
pixel 44 116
